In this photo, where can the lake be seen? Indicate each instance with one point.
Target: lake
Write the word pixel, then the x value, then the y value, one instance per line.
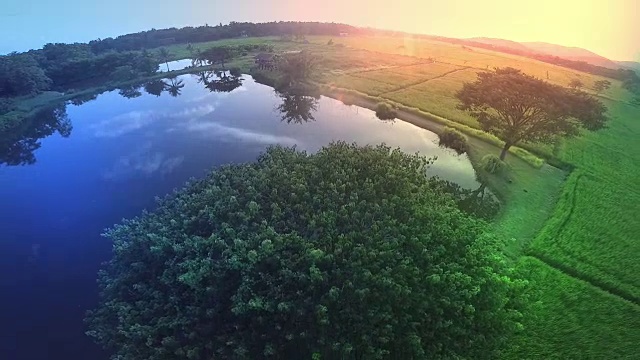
pixel 175 65
pixel 122 149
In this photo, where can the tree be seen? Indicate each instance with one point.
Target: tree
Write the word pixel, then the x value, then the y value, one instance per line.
pixel 218 54
pixel 164 56
pixel 146 64
pixel 20 75
pixel 385 111
pixel 575 84
pixel 123 73
pixel 517 107
pixel 297 68
pixel 349 253
pixel 601 85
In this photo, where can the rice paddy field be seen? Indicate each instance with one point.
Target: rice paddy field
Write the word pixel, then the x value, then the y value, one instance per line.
pixel 575 234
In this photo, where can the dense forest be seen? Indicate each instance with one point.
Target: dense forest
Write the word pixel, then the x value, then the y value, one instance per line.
pixel 63 66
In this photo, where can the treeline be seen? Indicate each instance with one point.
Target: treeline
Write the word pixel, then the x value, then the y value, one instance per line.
pixel 60 66
pixel 163 37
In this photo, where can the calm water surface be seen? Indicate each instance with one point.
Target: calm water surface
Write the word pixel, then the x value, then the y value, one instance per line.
pixel 121 154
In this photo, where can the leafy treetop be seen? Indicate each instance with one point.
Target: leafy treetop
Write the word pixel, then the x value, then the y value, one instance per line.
pixel 518 107
pixel 350 253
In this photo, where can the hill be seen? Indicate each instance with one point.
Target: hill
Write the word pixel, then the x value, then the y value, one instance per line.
pixel 571 53
pixel 501 43
pixel 632 65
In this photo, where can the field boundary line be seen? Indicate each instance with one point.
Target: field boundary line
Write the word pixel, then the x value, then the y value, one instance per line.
pixel 423 81
pixel 571 272
pixel 553 232
pixel 385 68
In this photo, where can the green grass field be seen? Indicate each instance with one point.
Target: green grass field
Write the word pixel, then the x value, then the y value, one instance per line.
pixel 572 320
pixel 594 229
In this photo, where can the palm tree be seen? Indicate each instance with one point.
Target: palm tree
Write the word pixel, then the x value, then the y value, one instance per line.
pixel 164 55
pixel 204 77
pixel 175 86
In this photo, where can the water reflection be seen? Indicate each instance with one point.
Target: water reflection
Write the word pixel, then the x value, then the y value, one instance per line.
pixel 20 138
pixel 130 91
pixel 297 108
pixel 174 87
pixel 479 202
pixel 155 87
pixel 82 99
pixel 220 81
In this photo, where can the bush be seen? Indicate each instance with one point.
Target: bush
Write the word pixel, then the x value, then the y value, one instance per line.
pixel 299 256
pixel 492 164
pixel 123 73
pixel 235 71
pixel 385 111
pixel 454 139
pixel 6 105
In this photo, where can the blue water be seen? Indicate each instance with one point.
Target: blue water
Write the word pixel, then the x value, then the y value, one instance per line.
pixel 175 65
pixel 120 155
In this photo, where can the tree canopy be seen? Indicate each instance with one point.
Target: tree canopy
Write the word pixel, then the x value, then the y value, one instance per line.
pixel 217 54
pixel 296 69
pixel 518 107
pixel 21 75
pixel 601 85
pixel 576 84
pixel 349 253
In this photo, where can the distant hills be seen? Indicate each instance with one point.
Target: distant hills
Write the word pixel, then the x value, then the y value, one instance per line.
pixel 565 52
pixel 633 65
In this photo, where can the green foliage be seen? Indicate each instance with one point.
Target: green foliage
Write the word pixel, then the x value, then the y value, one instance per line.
pixel 6 105
pixel 20 75
pixel 218 54
pixel 345 254
pixel 479 202
pixel 453 139
pixel 518 107
pixel 297 68
pixel 123 73
pixel 601 85
pixel 385 111
pixel 493 164
pixel 576 84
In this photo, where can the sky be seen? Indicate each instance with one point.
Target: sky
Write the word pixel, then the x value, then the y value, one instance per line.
pixel 610 28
